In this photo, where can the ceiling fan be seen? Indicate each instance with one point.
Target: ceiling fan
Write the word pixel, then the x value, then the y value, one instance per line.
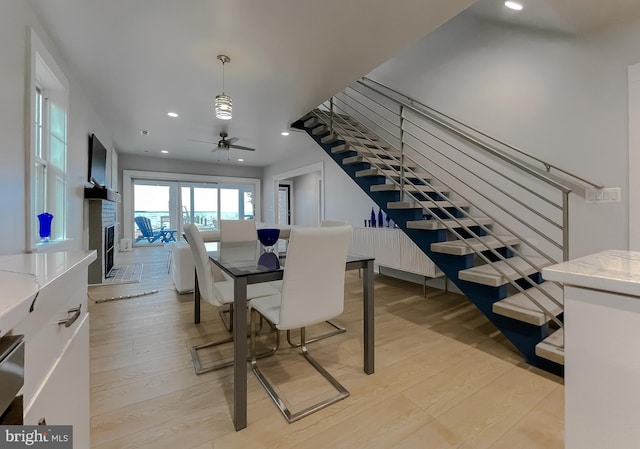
pixel 224 143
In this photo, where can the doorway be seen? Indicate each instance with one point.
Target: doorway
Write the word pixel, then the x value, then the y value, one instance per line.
pixel 299 196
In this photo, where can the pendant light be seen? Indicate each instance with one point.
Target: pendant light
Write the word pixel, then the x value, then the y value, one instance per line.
pixel 223 102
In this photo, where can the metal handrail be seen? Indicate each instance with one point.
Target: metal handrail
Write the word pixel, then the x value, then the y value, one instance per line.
pixel 470 231
pixel 475 235
pixel 547 165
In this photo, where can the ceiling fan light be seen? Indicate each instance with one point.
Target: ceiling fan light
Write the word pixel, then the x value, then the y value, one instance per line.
pixel 223 107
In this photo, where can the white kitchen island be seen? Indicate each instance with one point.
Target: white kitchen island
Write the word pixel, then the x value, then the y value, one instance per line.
pixel 43 296
pixel 602 349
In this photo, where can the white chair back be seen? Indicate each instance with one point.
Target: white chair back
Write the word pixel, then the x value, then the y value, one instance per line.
pixel 329 223
pixel 313 283
pixel 208 273
pixel 238 230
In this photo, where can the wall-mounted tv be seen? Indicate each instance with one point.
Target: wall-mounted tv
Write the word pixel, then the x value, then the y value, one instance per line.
pixel 97 161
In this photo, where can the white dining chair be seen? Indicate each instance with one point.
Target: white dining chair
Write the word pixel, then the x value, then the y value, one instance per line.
pixel 238 230
pixel 217 291
pixel 337 329
pixel 312 292
pixel 235 231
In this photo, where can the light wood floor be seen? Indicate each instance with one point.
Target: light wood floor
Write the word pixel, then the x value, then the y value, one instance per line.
pixel 445 377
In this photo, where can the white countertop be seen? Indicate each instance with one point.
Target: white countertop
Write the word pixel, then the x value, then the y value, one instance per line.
pixel 613 270
pixel 23 275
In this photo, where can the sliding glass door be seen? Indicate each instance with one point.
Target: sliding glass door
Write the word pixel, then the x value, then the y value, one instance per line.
pixel 171 204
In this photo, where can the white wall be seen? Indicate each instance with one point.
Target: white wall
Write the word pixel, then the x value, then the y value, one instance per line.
pixel 15 18
pixel 560 98
pixel 306 199
pixel 343 199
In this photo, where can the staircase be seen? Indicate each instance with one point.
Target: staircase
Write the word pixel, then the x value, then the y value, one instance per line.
pixel 491 237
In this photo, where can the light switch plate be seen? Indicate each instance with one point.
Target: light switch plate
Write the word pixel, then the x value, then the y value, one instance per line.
pixel 608 195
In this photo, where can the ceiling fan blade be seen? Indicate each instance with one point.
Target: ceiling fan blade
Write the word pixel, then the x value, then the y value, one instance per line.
pixel 202 141
pixel 240 147
pixel 231 139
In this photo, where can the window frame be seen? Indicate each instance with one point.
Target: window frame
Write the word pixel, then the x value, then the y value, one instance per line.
pixel 49 190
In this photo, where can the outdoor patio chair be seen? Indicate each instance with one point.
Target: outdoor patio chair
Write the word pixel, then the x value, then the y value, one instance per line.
pixel 151 235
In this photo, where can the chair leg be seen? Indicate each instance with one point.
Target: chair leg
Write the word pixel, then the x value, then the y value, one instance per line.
pixel 200 369
pixel 295 416
pixel 226 316
pixel 338 330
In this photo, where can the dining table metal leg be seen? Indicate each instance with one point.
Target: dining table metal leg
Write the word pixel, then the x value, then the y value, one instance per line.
pixel 196 300
pixel 240 353
pixel 368 316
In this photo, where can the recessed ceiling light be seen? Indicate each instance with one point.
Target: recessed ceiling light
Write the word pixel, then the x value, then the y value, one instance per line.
pixel 164 152
pixel 240 160
pixel 513 5
pixel 144 132
pixel 285 133
pixel 172 114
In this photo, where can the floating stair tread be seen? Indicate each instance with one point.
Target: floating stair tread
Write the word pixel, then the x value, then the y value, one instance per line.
pixel 408 188
pixel 329 138
pixel 552 347
pixel 520 307
pixel 313 121
pixel 488 274
pixel 432 225
pixel 388 173
pixel 342 148
pixel 319 130
pixel 467 246
pixel 358 139
pixel 426 204
pixel 382 152
pixel 377 161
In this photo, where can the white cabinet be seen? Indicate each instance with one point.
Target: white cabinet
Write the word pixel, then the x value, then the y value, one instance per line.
pixel 45 299
pixel 393 249
pixel 63 397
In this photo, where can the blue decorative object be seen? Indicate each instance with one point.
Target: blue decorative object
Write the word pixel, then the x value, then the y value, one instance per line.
pixel 388 221
pixel 380 218
pixel 270 261
pixel 373 218
pixel 268 237
pixel 45 220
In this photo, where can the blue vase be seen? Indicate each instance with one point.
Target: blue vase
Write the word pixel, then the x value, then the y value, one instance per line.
pixel 373 218
pixel 45 220
pixel 380 218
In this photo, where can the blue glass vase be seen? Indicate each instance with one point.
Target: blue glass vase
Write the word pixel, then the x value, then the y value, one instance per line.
pixel 373 218
pixel 45 220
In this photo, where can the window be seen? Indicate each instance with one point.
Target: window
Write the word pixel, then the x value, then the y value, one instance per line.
pixel 174 199
pixel 48 143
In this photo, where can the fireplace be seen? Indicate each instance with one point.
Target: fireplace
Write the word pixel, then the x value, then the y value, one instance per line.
pixel 109 248
pixel 102 229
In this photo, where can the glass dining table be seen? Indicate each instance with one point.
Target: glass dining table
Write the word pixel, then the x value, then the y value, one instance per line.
pixel 247 263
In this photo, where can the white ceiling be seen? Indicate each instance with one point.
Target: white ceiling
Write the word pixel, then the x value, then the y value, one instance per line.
pixel 139 59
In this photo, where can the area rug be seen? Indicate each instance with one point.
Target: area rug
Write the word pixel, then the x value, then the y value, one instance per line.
pixel 124 274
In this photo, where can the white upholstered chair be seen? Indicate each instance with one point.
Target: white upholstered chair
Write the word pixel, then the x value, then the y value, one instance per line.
pixel 216 290
pixel 235 231
pixel 312 292
pixel 238 230
pixel 337 329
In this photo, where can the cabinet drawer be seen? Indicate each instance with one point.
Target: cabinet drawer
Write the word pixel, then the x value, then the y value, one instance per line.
pixel 44 337
pixel 63 396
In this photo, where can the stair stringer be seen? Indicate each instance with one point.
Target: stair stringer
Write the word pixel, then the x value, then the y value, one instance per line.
pixel 522 335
